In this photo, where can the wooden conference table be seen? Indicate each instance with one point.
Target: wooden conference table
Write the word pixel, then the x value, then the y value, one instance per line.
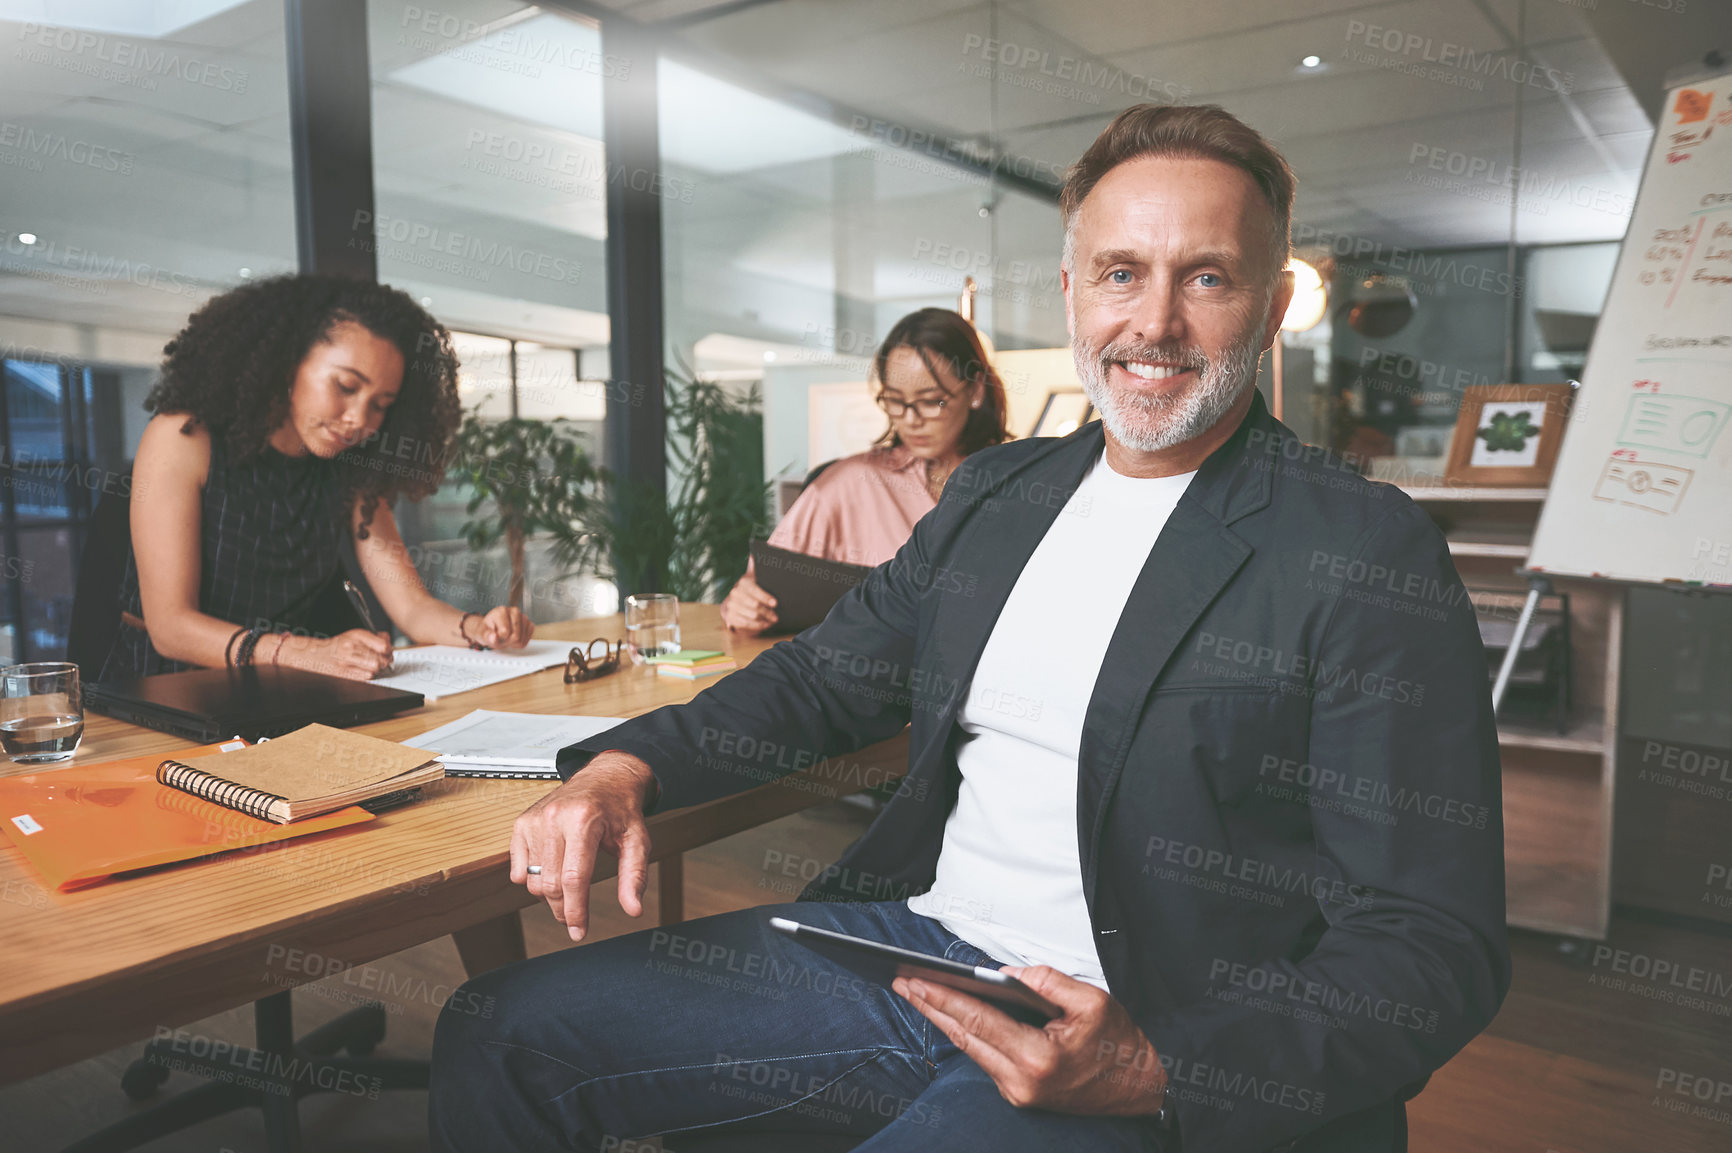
pixel 84 972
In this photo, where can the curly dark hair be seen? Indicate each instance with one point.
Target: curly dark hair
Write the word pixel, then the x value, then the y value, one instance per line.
pixel 939 335
pixel 233 366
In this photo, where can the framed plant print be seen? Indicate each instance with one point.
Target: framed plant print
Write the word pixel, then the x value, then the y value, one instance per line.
pixel 1508 435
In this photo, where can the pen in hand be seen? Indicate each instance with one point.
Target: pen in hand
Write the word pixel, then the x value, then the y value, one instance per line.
pixel 360 603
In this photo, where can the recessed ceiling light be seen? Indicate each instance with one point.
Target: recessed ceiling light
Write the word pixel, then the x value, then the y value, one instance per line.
pixel 1311 61
pixel 26 238
pixel 246 272
pixel 426 302
pixel 769 354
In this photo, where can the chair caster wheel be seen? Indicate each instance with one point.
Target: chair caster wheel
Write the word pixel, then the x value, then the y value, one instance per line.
pixel 142 1079
pixel 364 1044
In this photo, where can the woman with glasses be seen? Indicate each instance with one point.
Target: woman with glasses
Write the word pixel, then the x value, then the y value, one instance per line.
pixel 944 401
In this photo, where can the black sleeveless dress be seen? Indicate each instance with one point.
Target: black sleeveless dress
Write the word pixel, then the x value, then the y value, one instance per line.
pixel 270 553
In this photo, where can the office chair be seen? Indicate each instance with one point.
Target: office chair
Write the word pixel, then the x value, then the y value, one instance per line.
pixel 815 474
pixel 273 1076
pixel 304 1066
pixel 96 595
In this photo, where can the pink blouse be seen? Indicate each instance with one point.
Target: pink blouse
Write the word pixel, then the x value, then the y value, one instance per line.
pixel 860 510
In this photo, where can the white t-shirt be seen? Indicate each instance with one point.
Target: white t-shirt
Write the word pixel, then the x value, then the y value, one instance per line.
pixel 1009 876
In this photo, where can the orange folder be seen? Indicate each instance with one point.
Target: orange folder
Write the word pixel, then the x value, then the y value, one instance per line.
pixel 80 824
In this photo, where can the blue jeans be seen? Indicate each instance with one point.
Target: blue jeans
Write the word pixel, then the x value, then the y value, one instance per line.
pixel 723 1030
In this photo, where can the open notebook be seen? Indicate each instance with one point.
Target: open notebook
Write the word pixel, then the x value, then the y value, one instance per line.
pixel 307 772
pixel 492 744
pixel 437 671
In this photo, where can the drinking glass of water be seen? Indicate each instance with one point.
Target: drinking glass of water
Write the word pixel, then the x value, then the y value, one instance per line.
pixel 41 712
pixel 652 625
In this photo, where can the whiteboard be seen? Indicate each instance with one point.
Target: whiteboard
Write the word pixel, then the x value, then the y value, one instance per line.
pixel 1643 485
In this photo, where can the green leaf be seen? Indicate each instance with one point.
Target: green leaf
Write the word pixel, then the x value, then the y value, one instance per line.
pixel 1507 433
pixel 692 542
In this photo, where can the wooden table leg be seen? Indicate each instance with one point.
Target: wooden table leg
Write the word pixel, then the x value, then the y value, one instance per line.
pixel 490 944
pixel 671 888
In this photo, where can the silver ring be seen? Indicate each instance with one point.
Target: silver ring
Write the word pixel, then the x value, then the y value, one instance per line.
pixel 534 870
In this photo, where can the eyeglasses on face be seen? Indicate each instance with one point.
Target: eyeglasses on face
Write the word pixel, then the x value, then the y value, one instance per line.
pixel 584 663
pixel 929 408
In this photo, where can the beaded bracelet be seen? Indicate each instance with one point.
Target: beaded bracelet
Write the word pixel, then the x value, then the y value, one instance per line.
pixel 463 620
pixel 229 649
pixel 244 655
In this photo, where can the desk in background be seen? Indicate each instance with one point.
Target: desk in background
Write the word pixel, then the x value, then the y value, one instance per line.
pixel 87 971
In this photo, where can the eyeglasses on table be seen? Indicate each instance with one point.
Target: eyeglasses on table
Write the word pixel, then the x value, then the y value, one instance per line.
pixel 583 663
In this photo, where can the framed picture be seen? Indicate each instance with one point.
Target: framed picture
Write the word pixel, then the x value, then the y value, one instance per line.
pixel 1508 435
pixel 1064 412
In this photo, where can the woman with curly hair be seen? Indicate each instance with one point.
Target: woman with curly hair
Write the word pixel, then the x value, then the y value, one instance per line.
pixel 944 401
pixel 290 411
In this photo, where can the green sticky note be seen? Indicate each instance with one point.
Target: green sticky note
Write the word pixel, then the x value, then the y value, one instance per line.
pixel 685 657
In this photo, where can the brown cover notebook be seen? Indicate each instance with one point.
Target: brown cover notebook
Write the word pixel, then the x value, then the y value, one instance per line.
pixel 310 771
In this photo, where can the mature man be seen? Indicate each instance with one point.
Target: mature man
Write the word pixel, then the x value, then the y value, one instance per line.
pixel 1201 749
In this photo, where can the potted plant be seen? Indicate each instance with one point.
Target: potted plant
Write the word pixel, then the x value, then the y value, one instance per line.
pixel 538 477
pixel 693 541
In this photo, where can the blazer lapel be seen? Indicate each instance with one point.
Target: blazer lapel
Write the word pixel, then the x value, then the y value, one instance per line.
pixel 1192 561
pixel 1194 557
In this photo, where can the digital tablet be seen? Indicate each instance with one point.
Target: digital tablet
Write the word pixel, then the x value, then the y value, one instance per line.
pixel 882 964
pixel 805 587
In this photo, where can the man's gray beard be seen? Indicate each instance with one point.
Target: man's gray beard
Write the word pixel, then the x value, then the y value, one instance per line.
pixel 1152 423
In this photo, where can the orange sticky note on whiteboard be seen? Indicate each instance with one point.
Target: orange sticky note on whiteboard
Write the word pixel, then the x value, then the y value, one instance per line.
pixel 1693 105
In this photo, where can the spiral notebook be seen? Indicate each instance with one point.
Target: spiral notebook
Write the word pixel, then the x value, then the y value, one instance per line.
pixel 310 771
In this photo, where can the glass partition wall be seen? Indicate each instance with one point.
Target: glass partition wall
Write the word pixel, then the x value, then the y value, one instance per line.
pixel 842 168
pixel 144 166
pixel 1465 173
pixel 490 185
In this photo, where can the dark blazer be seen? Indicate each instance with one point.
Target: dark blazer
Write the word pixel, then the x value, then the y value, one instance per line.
pixel 1288 794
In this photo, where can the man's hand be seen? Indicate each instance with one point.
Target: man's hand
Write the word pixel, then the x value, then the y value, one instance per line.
pixel 601 807
pixel 1092 1061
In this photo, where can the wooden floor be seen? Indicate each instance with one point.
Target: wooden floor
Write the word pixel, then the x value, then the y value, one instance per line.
pixel 1575 1063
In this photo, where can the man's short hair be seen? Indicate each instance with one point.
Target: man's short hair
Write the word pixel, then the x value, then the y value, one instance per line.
pixel 1197 131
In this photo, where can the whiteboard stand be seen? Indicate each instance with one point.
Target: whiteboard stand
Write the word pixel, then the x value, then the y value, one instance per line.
pixel 1538 587
pixel 1557 786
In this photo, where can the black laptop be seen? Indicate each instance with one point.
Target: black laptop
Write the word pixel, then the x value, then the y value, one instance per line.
pixel 805 587
pixel 207 705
